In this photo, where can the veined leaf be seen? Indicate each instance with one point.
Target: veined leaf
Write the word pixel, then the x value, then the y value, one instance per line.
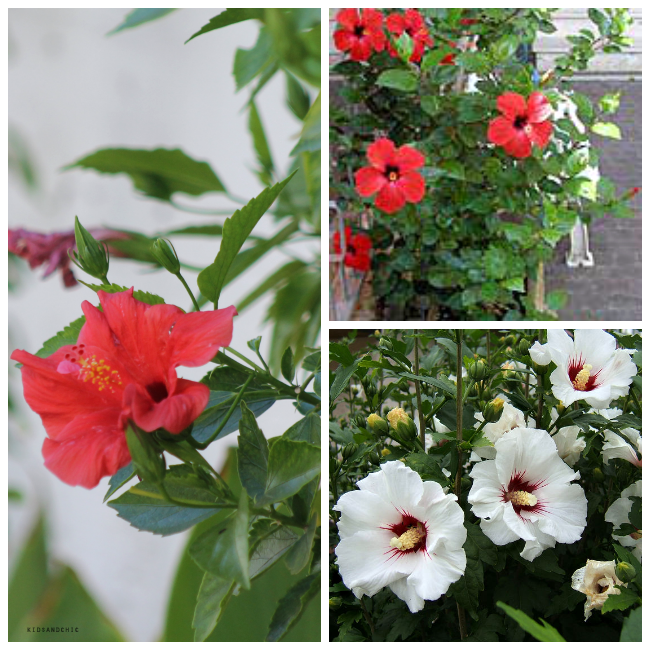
pixel 228 17
pixel 310 138
pixel 292 605
pixel 210 601
pixel 139 17
pixel 253 454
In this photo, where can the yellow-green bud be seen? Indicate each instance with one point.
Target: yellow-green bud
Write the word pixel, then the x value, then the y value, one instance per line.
pixel 165 254
pixel 349 450
pixel 377 424
pixel 477 370
pixel 91 255
pixel 385 452
pixel 373 457
pixel 493 410
pixel 524 346
pixel 560 408
pixel 385 343
pixel 335 602
pixel 598 475
pixel 402 423
pixel 377 334
pixel 360 421
pixel 625 572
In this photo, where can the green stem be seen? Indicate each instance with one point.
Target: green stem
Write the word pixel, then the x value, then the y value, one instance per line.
pixel 418 394
pixel 253 365
pixel 540 395
pixel 189 291
pixel 189 503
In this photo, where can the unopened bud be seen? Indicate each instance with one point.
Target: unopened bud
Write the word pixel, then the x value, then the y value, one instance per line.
pixel 360 421
pixel 377 424
pixel 402 423
pixel 524 346
pixel 477 370
pixel 385 343
pixel 625 572
pixel 165 254
pixel 91 255
pixel 385 452
pixel 373 457
pixel 349 450
pixel 560 408
pixel 539 369
pixel 335 466
pixel 493 410
pixel 510 340
pixel 377 334
pixel 598 475
pixel 335 602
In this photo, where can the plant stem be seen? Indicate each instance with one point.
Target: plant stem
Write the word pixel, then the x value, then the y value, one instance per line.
pixel 366 615
pixel 462 623
pixel 189 291
pixel 540 395
pixel 418 394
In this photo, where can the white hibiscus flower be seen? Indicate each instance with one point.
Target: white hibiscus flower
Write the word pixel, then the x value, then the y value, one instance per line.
pixel 619 513
pixel 400 532
pixel 617 447
pixel 589 367
pixel 569 444
pixel 598 581
pixel 511 418
pixel 526 493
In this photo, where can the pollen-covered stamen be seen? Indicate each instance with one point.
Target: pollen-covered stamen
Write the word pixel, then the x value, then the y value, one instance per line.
pixel 522 498
pixel 392 173
pixel 636 535
pixel 408 540
pixel 99 373
pixel 582 378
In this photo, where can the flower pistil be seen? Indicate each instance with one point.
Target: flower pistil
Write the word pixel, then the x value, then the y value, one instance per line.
pixel 582 378
pixel 410 539
pixel 521 498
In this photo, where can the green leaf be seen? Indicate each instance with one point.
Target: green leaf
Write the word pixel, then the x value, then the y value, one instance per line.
pixel 228 17
pixel 632 626
pixel 297 98
pixel 236 230
pixel 287 365
pixel 158 173
pixel 403 80
pixel 607 130
pixel 341 379
pixel 556 299
pixel 142 296
pixel 250 63
pixel 310 137
pixel 544 632
pixel 439 382
pixel 210 601
pixel 67 336
pixel 427 467
pixel 277 541
pixel 466 590
pixel 292 605
pixel 478 546
pixel 253 454
pixel 609 103
pixel 144 507
pixel 121 477
pixel 260 143
pixel 299 554
pixel 292 464
pixel 307 429
pixel 223 549
pixel 430 104
pixel 139 17
pixel 627 598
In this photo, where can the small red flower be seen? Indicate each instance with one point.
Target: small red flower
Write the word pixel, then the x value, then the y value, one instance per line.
pixel 466 22
pixel 123 367
pixel 392 176
pixel 411 22
pixel 634 191
pixel 357 249
pixel 361 33
pixel 522 124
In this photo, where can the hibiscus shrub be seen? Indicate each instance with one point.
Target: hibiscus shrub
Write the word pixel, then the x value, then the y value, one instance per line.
pixel 483 480
pixel 472 162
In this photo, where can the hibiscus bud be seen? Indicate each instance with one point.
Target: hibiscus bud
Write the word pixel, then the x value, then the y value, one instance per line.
pixel 524 346
pixel 369 386
pixel 598 475
pixel 377 424
pixel 148 462
pixel 509 340
pixel 540 370
pixel 402 423
pixel 560 408
pixel 493 410
pixel 349 450
pixel 625 572
pixel 477 370
pixel 335 466
pixel 165 254
pixel 91 256
pixel 378 334
pixel 385 343
pixel 335 602
pixel 385 452
pixel 360 421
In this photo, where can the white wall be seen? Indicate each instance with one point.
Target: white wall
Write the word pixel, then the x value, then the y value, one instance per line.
pixel 73 90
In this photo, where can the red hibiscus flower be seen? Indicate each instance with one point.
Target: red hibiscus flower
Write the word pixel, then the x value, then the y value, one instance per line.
pixel 391 176
pixel 357 249
pixel 522 124
pixel 413 24
pixel 123 367
pixel 361 33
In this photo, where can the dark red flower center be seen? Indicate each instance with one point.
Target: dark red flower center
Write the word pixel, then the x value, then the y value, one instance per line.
pixel 360 30
pixel 409 536
pixel 392 173
pixel 158 391
pixel 521 121
pixel 581 376
pixel 520 494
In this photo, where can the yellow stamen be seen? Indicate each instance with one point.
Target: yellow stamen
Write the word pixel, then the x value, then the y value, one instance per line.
pixel 636 535
pixel 99 373
pixel 407 540
pixel 522 498
pixel 392 177
pixel 580 382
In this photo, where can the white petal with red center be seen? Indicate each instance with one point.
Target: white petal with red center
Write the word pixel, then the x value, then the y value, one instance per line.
pixel 362 510
pixel 594 346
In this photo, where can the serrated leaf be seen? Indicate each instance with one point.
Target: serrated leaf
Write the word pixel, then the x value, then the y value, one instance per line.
pixel 236 230
pixel 67 336
pixel 287 365
pixel 270 549
pixel 291 606
pixel 121 477
pixel 253 454
pixel 627 598
pixel 466 590
pixel 210 602
pixel 292 464
pixel 139 17
pixel 427 467
pixel 631 630
pixel 142 296
pixel 158 173
pixel 228 17
pixel 402 80
pixel 298 557
pixel 260 143
pixel 306 429
pixel 223 549
pixel 479 546
pixel 341 379
pixel 144 507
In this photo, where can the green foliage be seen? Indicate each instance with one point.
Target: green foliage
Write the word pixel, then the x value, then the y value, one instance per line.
pixel 226 18
pixel 236 230
pixel 138 17
pixel 67 336
pixel 292 605
pixel 632 627
pixel 543 632
pixel 158 173
pixel 253 454
pixel 626 599
pixel 212 597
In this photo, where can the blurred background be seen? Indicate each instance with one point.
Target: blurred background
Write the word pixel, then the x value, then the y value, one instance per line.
pixel 73 90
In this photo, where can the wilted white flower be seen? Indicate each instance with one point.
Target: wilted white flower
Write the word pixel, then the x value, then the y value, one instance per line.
pixel 619 513
pixel 526 493
pixel 399 531
pixel 589 367
pixel 597 580
pixel 616 447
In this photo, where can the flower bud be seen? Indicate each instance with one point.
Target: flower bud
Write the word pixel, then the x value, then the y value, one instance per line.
pixel 91 256
pixel 385 452
pixel 349 450
pixel 359 420
pixel 560 408
pixel 165 254
pixel 377 334
pixel 510 340
pixel 625 572
pixel 477 370
pixel 377 424
pixel 385 343
pixel 402 423
pixel 524 346
pixel 598 475
pixel 148 462
pixel 335 602
pixel 540 370
pixel 493 410
pixel 373 457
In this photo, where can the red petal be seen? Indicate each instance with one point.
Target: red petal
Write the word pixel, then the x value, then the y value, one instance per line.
pixel 501 131
pixel 520 145
pixel 408 159
pixel 90 447
pixel 369 181
pixel 361 50
pixel 512 105
pixel 381 153
pixel 390 199
pixel 414 20
pixel 395 24
pixel 344 41
pixel 541 133
pixel 539 108
pixel 412 186
pixel 173 413
pixel 372 18
pixel 348 18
